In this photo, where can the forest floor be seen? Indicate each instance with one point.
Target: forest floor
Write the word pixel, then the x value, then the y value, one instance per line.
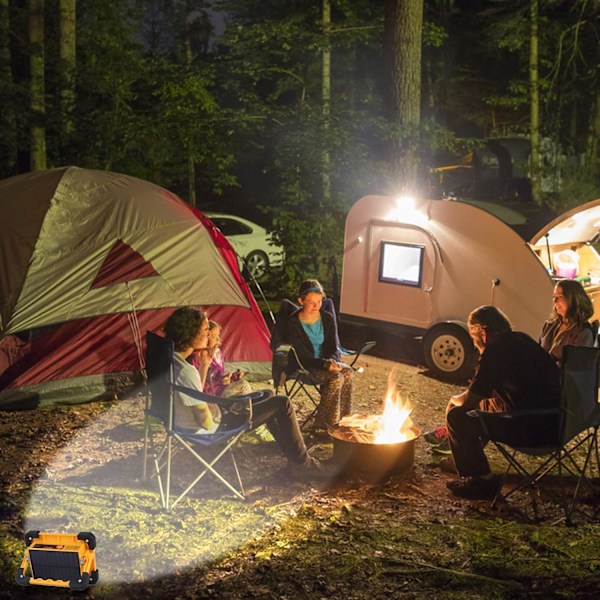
pixel 79 468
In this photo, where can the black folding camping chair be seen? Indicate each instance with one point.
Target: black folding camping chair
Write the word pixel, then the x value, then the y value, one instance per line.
pixel 566 437
pixel 288 371
pixel 160 414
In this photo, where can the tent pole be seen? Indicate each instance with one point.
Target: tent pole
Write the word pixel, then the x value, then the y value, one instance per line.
pixel 262 295
pixel 549 254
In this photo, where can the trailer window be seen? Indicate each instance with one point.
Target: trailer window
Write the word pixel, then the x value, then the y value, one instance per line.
pixel 401 263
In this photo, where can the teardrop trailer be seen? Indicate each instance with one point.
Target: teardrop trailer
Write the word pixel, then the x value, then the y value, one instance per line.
pixel 417 267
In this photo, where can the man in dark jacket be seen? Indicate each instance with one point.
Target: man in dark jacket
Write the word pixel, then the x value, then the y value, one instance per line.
pixel 514 373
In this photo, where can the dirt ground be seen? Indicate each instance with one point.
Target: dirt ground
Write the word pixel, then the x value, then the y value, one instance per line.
pixel 79 469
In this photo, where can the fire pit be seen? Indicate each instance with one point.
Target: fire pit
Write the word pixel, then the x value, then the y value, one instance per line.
pixel 375 447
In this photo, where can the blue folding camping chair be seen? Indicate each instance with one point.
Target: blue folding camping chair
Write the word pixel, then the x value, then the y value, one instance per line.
pixel 161 413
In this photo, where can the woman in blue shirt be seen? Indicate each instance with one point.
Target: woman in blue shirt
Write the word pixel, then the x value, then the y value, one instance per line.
pixel 313 333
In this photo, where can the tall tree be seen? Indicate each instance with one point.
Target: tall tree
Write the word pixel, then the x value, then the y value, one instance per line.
pixel 37 86
pixel 326 98
pixel 402 46
pixel 534 120
pixel 8 124
pixel 68 66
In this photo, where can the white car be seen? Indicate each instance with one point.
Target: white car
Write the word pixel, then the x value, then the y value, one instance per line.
pixel 251 242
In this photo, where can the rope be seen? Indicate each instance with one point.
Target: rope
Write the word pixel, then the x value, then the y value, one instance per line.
pixel 137 334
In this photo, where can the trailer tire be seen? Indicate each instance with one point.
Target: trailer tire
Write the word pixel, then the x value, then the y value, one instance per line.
pixel 449 352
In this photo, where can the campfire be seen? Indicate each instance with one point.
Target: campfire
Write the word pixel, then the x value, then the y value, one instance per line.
pixel 374 447
pixel 393 426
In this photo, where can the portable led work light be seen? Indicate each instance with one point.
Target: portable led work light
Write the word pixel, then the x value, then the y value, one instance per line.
pixel 59 559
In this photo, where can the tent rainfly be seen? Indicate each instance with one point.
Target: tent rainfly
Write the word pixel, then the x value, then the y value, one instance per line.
pixel 90 260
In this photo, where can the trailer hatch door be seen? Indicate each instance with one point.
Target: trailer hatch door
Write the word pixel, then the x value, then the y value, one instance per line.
pixel 401 274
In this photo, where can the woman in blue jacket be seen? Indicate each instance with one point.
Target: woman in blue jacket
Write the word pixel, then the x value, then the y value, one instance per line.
pixel 313 333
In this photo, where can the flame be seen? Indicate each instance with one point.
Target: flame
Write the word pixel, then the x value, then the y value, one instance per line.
pixel 395 424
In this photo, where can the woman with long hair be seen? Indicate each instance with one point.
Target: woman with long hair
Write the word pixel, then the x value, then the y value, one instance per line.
pixel 569 324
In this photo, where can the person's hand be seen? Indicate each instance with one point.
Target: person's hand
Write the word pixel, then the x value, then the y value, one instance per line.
pixel 205 356
pixel 332 365
pixel 459 399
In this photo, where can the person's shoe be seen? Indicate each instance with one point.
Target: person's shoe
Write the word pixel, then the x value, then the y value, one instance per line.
pixel 439 440
pixel 447 465
pixel 475 488
pixel 442 448
pixel 436 436
pixel 312 469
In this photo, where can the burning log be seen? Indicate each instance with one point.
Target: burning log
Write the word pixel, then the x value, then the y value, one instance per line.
pixel 374 447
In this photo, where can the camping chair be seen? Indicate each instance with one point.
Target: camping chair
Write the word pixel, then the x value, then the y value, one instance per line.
pixel 554 433
pixel 161 409
pixel 288 371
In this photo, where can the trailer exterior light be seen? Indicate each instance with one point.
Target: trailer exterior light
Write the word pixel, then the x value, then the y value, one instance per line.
pixel 408 210
pixel 404 201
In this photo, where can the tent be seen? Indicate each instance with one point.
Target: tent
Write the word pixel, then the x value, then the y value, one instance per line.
pixel 90 260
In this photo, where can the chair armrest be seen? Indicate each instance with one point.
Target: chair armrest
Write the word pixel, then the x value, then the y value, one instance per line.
pixel 239 405
pixel 357 353
pixel 364 348
pixel 223 402
pixel 514 414
pixel 301 368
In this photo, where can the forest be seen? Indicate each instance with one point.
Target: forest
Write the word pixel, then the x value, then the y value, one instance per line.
pixel 288 112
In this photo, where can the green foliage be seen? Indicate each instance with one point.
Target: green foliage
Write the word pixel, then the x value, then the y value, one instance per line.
pixel 156 94
pixel 578 186
pixel 434 35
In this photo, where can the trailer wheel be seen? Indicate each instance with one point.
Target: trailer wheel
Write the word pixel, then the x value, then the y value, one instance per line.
pixel 449 352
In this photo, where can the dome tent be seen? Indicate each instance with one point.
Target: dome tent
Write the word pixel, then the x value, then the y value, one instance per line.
pixel 90 260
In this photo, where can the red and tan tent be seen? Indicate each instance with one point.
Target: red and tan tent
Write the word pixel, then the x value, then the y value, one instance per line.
pixel 91 260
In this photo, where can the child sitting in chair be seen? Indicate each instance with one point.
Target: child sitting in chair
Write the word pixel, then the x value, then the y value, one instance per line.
pixel 218 382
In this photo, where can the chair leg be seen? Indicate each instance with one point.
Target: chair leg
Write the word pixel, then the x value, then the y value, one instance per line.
pixel 592 449
pixel 146 432
pixel 168 486
pixel 157 457
pixel 237 472
pixel 208 466
pixel 163 458
pixel 292 390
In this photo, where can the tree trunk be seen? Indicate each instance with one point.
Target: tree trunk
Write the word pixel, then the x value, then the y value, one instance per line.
pixel 68 65
pixel 35 9
pixel 189 57
pixel 191 179
pixel 403 35
pixel 591 151
pixel 534 135
pixel 8 122
pixel 326 92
